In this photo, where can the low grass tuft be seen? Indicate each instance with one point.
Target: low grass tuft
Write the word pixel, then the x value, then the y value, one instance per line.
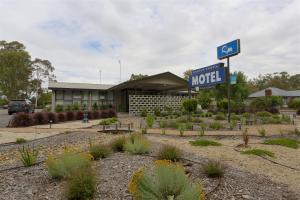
pixel 99 151
pixel 28 155
pixel 286 142
pixel 137 144
pixel 205 143
pixel 21 140
pixel 259 152
pixel 117 145
pixel 168 152
pixel 213 169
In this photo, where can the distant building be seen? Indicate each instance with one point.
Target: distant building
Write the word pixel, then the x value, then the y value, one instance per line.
pixel 273 91
pixel 151 92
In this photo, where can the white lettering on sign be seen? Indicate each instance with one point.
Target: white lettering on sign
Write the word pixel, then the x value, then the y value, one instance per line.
pixel 206 78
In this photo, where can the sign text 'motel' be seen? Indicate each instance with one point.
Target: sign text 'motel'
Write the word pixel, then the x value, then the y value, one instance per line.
pixel 207 76
pixel 229 49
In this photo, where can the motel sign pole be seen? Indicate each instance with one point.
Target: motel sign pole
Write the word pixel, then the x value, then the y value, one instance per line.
pixel 226 51
pixel 228 88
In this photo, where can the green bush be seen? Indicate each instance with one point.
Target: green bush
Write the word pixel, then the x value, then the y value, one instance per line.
pixel 68 108
pixel 246 115
pixel 262 131
pixel 108 121
pixel 294 103
pixel 182 128
pixel 117 145
pixel 163 124
pixel 235 117
pixel 156 111
pixel 144 112
pixel 259 152
pixel 215 125
pixel 99 151
pixel 264 114
pixel 182 119
pixel 204 99
pixel 21 140
pixel 190 105
pixel 168 152
pixel 197 120
pixel 137 144
pixel 59 108
pixel 95 106
pixel 222 104
pixel 202 129
pixel 28 155
pixel 81 185
pixel 150 120
pixel 220 116
pixel 213 169
pixel 263 103
pixel 75 107
pixel 205 143
pixel 232 124
pixel 167 181
pixel 64 165
pixel 283 142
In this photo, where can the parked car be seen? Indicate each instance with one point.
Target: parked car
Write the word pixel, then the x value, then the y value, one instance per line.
pixel 20 105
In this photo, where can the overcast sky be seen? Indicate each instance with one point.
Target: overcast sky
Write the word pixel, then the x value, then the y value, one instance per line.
pixel 82 37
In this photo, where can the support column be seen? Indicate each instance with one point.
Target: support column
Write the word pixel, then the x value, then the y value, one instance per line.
pixel 53 102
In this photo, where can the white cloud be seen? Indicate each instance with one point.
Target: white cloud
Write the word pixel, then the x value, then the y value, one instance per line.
pixel 153 36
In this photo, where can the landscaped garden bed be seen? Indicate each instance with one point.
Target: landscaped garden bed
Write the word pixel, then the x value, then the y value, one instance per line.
pixel 114 173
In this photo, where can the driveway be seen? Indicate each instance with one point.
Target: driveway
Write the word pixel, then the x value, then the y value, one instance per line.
pixel 4 118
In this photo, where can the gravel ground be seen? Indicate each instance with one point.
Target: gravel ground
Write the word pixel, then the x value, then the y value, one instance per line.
pixel 115 172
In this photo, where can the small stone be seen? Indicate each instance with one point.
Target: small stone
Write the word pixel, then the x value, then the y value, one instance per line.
pixel 245 196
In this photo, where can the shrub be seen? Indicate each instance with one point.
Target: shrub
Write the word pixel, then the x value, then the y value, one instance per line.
pixel 112 113
pixel 273 110
pixel 215 126
pixel 96 114
pixel 75 107
pixel 99 151
pixel 297 131
pixel 167 181
pixel 144 130
pixel 21 120
pixel 52 116
pixel 21 140
pixel 232 124
pixel 59 108
pixel 235 117
pixel 262 131
pixel 28 155
pixel 79 115
pixel 197 120
pixel 205 143
pixel 202 129
pixel 61 117
pixel 105 114
pixel 222 104
pixel 64 165
pixel 259 152
pixel 283 142
pixel 220 116
pixel 190 105
pixel 137 144
pixel 246 115
pixel 182 119
pixel 204 99
pixel 264 114
pixel 294 103
pixel 163 124
pixel 144 112
pixel 68 108
pixel 117 145
pixel 245 137
pixel 95 106
pixel 168 152
pixel 150 120
pixel 70 116
pixel 81 185
pixel 40 118
pixel 182 128
pixel 157 111
pixel 213 169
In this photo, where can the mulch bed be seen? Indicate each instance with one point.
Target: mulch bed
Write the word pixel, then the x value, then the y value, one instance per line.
pixel 114 174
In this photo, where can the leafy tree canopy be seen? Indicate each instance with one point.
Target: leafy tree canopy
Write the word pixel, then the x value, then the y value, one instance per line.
pixel 137 76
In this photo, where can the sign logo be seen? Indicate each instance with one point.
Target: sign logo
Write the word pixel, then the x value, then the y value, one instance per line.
pixel 207 76
pixel 229 49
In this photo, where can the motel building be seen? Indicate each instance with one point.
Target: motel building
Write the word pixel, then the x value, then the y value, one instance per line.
pixel 150 93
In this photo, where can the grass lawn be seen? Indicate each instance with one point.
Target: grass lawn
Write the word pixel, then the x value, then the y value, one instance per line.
pixel 259 152
pixel 205 143
pixel 283 142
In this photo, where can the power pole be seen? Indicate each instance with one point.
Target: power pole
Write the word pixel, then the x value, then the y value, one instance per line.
pixel 100 75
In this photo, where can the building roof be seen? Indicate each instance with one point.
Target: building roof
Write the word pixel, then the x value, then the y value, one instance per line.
pixel 162 81
pixel 276 92
pixel 83 86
